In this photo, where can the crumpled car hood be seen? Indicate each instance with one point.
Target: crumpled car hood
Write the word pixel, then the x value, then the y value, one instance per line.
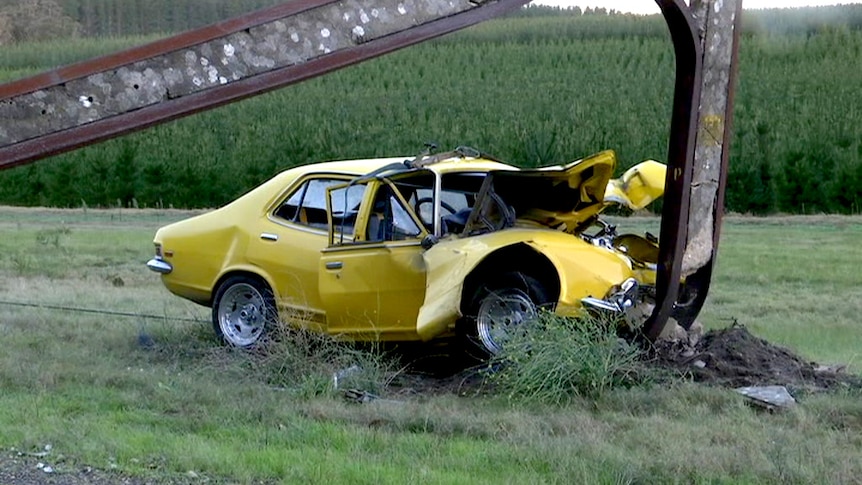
pixel 559 196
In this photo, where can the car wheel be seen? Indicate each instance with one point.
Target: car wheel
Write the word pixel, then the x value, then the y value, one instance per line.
pixel 242 309
pixel 500 308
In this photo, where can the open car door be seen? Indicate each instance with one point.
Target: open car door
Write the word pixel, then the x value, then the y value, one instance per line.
pixel 372 275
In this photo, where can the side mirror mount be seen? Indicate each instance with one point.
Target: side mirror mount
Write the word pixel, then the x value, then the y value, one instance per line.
pixel 429 241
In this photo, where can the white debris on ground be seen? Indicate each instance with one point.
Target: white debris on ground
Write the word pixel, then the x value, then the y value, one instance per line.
pixel 340 376
pixel 771 398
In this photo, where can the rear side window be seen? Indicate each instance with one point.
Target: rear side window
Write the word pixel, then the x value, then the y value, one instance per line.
pixel 345 207
pixel 307 204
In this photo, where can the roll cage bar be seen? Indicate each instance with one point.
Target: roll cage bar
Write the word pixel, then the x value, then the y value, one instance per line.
pixel 109 96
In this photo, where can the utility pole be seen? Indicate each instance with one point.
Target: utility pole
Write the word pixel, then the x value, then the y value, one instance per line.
pixel 697 190
pixel 205 68
pixel 718 22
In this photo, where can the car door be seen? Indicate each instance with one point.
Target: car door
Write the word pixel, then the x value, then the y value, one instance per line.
pixel 288 241
pixel 372 275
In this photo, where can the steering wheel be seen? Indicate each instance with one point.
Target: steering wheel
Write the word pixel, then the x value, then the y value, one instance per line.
pixel 430 200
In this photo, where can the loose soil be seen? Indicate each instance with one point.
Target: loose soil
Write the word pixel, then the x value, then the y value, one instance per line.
pixel 733 357
pixel 19 469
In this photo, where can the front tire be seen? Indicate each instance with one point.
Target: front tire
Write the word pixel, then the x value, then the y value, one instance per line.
pixel 501 307
pixel 243 308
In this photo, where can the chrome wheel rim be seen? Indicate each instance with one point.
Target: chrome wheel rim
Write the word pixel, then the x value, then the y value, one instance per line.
pixel 501 314
pixel 242 315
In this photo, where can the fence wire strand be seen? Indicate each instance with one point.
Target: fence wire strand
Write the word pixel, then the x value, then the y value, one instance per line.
pixel 115 313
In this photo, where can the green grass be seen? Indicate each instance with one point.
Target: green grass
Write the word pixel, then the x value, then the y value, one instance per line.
pixel 793 280
pixel 802 292
pixel 82 383
pixel 566 357
pixel 19 60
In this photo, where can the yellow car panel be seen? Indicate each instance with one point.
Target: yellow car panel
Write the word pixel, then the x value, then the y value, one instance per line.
pixel 584 271
pixel 638 186
pixel 375 290
pixel 196 266
pixel 286 255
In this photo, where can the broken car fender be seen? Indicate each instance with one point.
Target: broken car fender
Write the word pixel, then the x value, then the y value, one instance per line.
pixel 584 270
pixel 446 265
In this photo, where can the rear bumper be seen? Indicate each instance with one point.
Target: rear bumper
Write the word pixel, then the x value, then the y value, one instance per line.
pixel 159 265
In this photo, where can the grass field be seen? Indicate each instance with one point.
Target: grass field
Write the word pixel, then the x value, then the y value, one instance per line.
pixel 186 409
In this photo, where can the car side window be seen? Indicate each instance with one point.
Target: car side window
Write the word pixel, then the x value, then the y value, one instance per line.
pixel 345 202
pixel 389 220
pixel 307 204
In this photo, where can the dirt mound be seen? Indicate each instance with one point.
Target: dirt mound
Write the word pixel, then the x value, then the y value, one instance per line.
pixel 730 357
pixel 733 357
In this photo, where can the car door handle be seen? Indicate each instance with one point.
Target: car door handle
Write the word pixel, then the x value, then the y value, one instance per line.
pixel 268 236
pixel 334 265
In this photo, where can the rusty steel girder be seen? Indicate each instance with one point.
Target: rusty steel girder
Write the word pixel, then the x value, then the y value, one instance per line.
pixel 205 68
pixel 706 44
pixel 106 97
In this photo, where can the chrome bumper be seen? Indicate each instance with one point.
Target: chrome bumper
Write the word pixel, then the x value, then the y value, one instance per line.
pixel 159 265
pixel 618 301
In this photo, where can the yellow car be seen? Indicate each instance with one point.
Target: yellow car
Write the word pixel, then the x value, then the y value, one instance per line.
pixel 436 246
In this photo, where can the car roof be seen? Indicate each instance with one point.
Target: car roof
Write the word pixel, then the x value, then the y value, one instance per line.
pixel 366 166
pixel 264 194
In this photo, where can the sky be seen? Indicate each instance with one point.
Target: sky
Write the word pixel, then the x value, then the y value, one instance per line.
pixel 649 6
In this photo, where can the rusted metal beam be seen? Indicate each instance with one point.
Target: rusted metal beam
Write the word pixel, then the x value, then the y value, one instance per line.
pixel 719 24
pixel 680 157
pixel 202 69
pixel 694 196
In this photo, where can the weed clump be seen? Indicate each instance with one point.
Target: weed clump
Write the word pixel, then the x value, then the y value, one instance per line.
pixel 309 364
pixel 562 358
pixel 52 237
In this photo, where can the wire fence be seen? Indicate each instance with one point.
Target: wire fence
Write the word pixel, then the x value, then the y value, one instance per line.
pixel 115 313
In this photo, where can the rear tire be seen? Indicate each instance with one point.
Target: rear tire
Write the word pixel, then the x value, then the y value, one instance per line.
pixel 505 304
pixel 243 310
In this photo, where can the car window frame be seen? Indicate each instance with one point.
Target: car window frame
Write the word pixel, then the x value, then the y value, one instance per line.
pixel 480 175
pixel 361 214
pixel 360 227
pixel 300 184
